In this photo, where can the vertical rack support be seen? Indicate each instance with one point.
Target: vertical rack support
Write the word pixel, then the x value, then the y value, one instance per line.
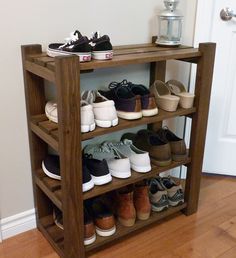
pixel 204 77
pixel 68 98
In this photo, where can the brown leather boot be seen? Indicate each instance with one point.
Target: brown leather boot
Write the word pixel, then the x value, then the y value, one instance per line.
pixel 141 201
pixel 125 207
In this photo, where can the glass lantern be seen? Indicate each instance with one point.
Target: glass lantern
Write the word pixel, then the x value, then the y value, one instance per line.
pixel 170 25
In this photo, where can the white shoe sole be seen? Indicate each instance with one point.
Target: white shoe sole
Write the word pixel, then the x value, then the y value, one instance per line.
pixel 89 241
pixel 88 186
pixel 105 233
pixel 120 174
pixel 51 118
pixel 87 128
pixel 101 180
pixel 102 55
pixel 173 204
pixel 159 209
pixel 83 57
pixel 129 115
pixel 49 174
pixel 150 112
pixel 139 169
pixel 106 124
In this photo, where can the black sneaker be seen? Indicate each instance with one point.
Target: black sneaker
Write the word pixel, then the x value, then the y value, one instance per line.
pixel 98 170
pixel 58 218
pixel 102 47
pixel 76 44
pixel 51 166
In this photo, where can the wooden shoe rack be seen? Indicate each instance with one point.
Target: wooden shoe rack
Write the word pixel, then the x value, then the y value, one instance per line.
pixel 65 138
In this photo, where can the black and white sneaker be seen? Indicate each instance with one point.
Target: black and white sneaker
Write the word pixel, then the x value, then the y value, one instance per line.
pixel 174 191
pixel 88 182
pixel 101 47
pixel 76 44
pixel 98 170
pixel 51 167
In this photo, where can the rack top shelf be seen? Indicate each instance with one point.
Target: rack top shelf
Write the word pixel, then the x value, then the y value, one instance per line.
pixel 124 55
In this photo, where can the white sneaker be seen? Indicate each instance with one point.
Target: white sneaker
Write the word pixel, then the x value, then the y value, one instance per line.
pixel 103 109
pixel 139 160
pixel 87 116
pixel 118 164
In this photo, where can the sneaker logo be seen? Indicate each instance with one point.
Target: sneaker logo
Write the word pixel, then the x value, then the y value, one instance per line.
pixel 86 58
pixel 109 56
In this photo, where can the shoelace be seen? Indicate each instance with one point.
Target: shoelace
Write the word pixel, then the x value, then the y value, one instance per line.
pixel 114 85
pixel 74 36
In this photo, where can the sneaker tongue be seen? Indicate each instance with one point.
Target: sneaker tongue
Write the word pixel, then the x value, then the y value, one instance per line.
pixel 127 142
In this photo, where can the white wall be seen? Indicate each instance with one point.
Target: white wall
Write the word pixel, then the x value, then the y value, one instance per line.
pixel 27 22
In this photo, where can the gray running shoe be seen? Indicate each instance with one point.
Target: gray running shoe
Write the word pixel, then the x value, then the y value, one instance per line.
pixel 118 164
pixel 174 191
pixel 158 195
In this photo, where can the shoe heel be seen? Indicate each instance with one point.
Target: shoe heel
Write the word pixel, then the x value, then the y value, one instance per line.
pixel 143 216
pixel 127 222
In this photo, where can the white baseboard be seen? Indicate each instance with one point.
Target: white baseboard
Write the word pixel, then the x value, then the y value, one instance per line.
pixel 17 224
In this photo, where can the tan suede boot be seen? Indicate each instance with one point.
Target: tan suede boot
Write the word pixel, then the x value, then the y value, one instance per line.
pixel 141 201
pixel 125 207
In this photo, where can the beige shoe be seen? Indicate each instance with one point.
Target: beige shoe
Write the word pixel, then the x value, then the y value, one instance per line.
pixel 178 89
pixel 163 96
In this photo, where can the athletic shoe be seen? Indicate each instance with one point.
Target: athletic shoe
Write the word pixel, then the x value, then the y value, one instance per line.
pixel 51 167
pixel 177 145
pixel 103 217
pixel 118 164
pixel 89 229
pixel 139 160
pixel 158 195
pixel 148 102
pixel 103 109
pixel 98 170
pixel 76 44
pixel 148 141
pixel 101 47
pixel 127 104
pixel 174 191
pixel 86 111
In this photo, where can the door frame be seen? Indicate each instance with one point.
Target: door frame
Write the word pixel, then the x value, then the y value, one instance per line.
pixel 202 33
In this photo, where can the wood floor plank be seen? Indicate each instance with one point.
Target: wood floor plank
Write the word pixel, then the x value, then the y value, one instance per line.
pixel 210 233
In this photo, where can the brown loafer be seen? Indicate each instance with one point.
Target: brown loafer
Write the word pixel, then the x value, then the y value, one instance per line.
pixel 149 141
pixel 177 145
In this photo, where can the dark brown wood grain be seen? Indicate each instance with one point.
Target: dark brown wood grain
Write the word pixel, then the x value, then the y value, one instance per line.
pixel 35 101
pixel 199 124
pixel 68 92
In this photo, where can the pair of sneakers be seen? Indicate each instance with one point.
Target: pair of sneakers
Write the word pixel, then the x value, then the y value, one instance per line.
pixel 95 110
pixel 120 157
pixel 165 192
pixel 98 47
pixel 94 172
pixel 132 101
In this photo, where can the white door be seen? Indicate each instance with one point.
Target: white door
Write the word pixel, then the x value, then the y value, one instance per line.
pixel 220 151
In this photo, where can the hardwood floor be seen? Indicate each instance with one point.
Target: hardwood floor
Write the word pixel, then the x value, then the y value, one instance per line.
pixel 210 233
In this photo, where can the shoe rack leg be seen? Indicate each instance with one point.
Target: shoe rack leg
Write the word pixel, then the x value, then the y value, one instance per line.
pixel 199 125
pixel 68 89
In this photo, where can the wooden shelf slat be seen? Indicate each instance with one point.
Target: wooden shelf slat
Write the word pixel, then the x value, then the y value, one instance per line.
pixel 52 187
pixel 123 55
pixel 48 131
